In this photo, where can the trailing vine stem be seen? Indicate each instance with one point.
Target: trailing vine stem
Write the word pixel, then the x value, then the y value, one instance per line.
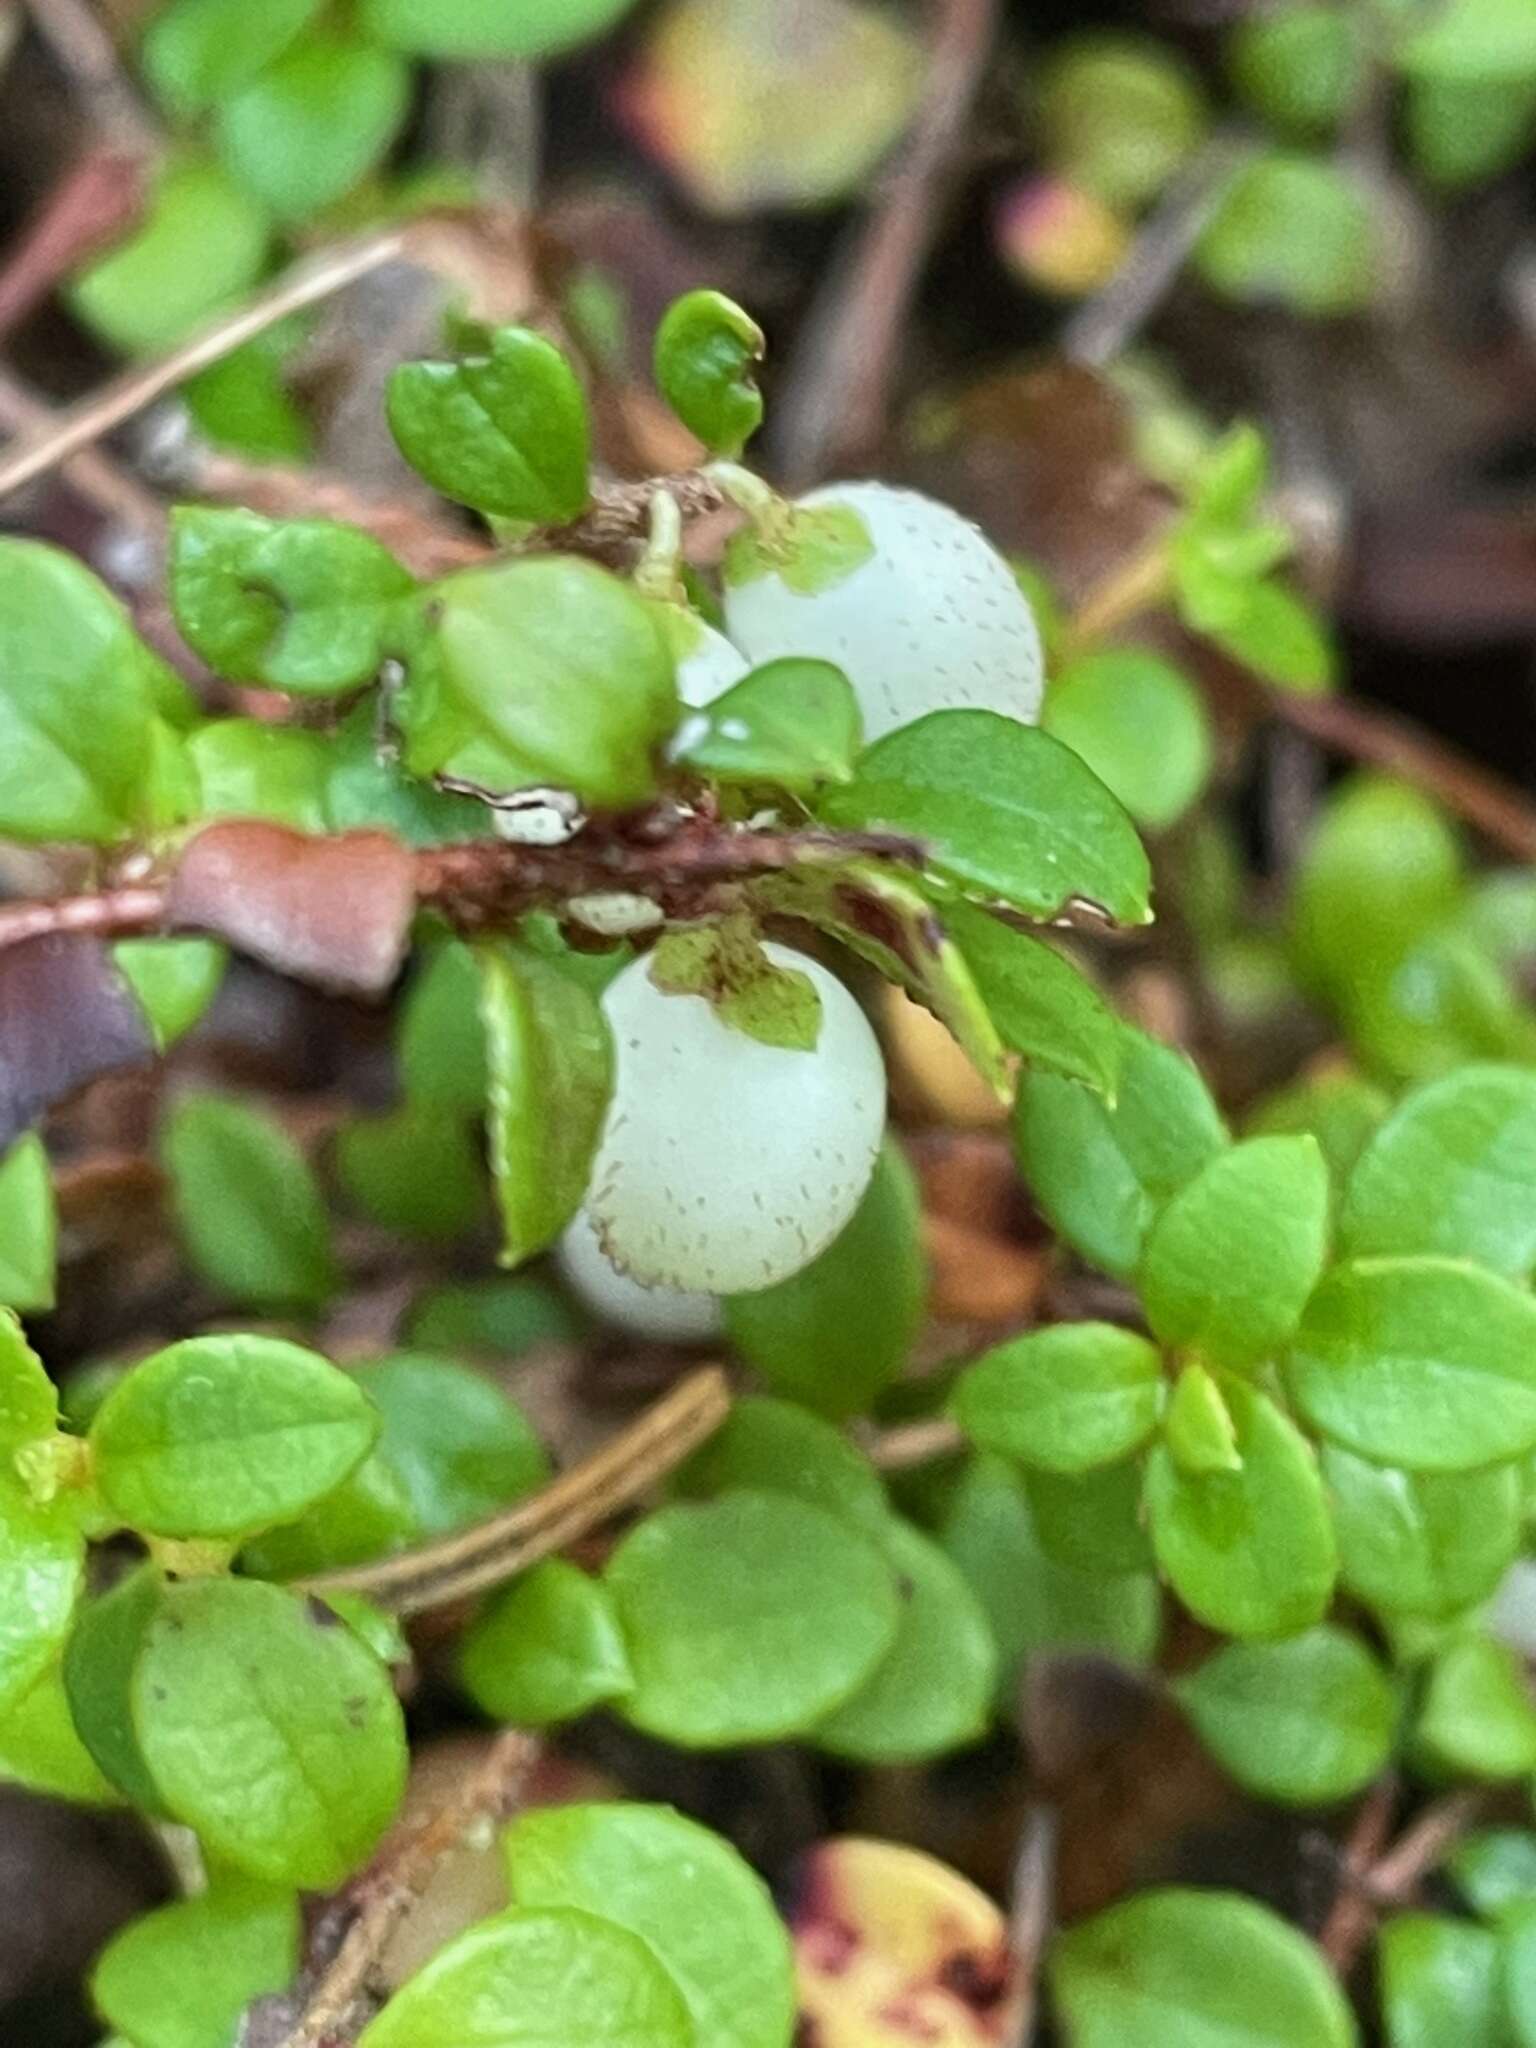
pixel 670 855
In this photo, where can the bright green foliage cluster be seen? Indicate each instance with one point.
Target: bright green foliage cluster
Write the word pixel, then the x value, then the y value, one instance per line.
pixel 1312 1423
pixel 1120 117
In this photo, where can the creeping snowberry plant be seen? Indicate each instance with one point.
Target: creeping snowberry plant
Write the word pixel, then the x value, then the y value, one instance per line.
pixel 640 841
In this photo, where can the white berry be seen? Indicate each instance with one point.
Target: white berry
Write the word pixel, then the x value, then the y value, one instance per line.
pixel 661 1314
pixel 933 621
pixel 726 1164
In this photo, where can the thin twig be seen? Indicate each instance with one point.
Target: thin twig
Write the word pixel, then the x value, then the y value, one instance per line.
pixel 1104 325
pixel 92 472
pixel 915 1443
pixel 91 205
pixel 487 885
pixel 383 1895
pixel 1484 800
pixel 581 1499
pixel 616 516
pixel 310 280
pixel 837 389
pixel 1031 1916
pixel 84 49
pixel 1348 1926
pixel 1377 1880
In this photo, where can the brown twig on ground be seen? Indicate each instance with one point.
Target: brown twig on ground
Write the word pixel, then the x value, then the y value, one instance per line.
pixel 915 1443
pixel 376 1902
pixel 95 201
pixel 83 47
pixel 591 1493
pixel 837 388
pixel 98 479
pixel 1376 1878
pixel 313 278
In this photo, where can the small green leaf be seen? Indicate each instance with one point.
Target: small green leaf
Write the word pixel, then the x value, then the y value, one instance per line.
pixel 684 1892
pixel 1198 1428
pixel 41 1752
pixel 542 672
pixel 713 1603
pixel 1032 1600
pixel 413 1170
pixel 1044 1007
pixel 441 1038
pixel 270 1729
pixel 1294 231
pixel 1228 1973
pixel 42 1565
pixel 551 1071
pixel 1482 40
pixel 1495 1869
pixel 1440 1983
pixel 1453 1171
pixel 247 768
pixel 175 981
pixel 99 1663
pixel 305 132
pixel 460 1448
pixel 198 52
pixel 1422 1542
pixel 1101 1171
pixel 1421 1362
pixel 77 696
pixel 1517 1975
pixel 302 605
pixel 1249 1552
pixel 707 350
pixel 367 1517
pixel 29 1230
pixel 1462 131
pixel 1301 67
pixel 546 1649
pixel 242 402
pixel 535 1979
pixel 1477 1718
pixel 489 28
pixel 1381 844
pixel 1003 811
pixel 248 1205
pixel 823 1337
pixel 933 1690
pixel 1305 1721
pixel 726 964
pixel 29 1400
pixel 366 789
pixel 501 1319
pixel 1341 1109
pixel 505 431
pixel 182 1976
pixel 1229 1263
pixel 1118 114
pixel 202 244
pixel 1067 1398
pixel 222 1436
pixel 1276 633
pixel 1140 725
pixel 774 1447
pixel 883 919
pixel 1091 1521
pixel 792 723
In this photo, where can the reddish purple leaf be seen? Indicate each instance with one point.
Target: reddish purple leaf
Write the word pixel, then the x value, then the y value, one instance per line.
pixel 333 911
pixel 66 1015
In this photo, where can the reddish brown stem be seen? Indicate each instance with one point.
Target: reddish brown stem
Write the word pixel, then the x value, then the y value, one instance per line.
pixel 96 201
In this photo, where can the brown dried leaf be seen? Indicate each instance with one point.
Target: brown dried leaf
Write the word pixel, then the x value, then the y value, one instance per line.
pixel 66 1015
pixel 333 911
pixel 896 1950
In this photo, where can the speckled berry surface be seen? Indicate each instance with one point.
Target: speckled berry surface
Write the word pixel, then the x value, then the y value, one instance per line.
pixel 663 1315
pixel 934 621
pixel 726 1164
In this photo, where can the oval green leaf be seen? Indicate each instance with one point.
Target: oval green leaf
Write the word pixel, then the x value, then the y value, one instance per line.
pixel 545 1649
pixel 707 350
pixel 1428 1543
pixel 1068 1398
